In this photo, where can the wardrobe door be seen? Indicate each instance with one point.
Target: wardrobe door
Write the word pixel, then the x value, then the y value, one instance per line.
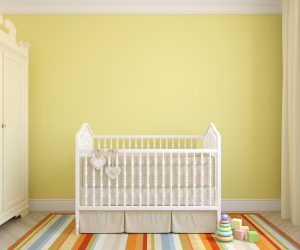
pixel 1 131
pixel 14 102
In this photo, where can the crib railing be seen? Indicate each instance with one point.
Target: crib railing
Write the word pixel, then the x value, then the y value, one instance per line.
pixel 139 165
pixel 147 141
pixel 157 172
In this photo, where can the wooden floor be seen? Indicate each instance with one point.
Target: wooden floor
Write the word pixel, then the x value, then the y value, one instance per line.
pixel 16 227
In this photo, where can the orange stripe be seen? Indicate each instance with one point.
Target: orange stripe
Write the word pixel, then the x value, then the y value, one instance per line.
pixel 279 230
pixel 79 241
pixel 131 241
pixel 139 242
pixel 263 243
pixel 261 232
pixel 64 235
pixel 205 241
pixel 29 232
pixel 185 242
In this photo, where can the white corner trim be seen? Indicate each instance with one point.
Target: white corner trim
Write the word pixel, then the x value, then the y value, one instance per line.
pixel 140 6
pixel 228 205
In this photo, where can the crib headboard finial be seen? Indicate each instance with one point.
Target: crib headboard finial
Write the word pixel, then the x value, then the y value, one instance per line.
pixel 212 137
pixel 84 138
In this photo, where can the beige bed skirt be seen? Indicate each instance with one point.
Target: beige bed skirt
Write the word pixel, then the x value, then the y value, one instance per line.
pixel 147 221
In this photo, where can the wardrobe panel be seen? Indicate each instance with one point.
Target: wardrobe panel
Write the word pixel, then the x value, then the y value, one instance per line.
pixel 14 135
pixel 1 130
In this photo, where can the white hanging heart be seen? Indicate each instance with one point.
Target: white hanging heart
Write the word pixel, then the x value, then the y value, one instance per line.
pixel 98 162
pixel 112 172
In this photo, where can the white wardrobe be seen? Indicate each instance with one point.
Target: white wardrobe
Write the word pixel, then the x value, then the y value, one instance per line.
pixel 13 123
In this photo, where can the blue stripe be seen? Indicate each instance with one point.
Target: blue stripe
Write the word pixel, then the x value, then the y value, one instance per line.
pixel 165 242
pixel 171 242
pixel 49 233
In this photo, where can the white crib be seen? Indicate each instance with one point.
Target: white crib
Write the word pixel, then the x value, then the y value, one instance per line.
pixel 147 183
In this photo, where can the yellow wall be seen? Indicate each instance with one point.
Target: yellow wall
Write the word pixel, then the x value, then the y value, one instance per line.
pixel 162 74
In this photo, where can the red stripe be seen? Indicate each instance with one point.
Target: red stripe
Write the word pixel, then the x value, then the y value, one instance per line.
pixel 86 241
pixel 212 241
pixel 145 242
pixel 279 230
pixel 261 232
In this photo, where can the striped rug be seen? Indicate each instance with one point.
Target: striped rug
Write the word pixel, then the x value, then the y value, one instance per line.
pixel 56 231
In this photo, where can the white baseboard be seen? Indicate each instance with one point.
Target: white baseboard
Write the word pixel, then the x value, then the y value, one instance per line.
pixel 250 205
pixel 228 205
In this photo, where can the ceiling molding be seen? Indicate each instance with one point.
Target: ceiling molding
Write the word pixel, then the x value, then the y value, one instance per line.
pixel 140 6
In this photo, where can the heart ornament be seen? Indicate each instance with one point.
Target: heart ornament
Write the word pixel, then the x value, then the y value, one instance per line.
pixel 98 162
pixel 112 172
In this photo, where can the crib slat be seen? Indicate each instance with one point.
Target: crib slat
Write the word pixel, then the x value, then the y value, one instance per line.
pixel 132 179
pixel 85 181
pixel 109 182
pixel 148 179
pixel 171 179
pixel 111 143
pixel 98 143
pixel 129 143
pixel 210 184
pixel 160 144
pixel 191 142
pixel 135 143
pixel 155 179
pixel 194 179
pixel 117 180
pixel 101 186
pixel 148 143
pixel 117 143
pixel 202 180
pixel 124 179
pixel 172 143
pixel 94 187
pixel 178 180
pixel 186 180
pixel 163 179
pixel 185 142
pixel 123 143
pixel 142 143
pixel 104 143
pixel 140 179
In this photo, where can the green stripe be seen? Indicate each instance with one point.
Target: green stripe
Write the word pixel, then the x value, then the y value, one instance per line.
pixel 265 230
pixel 52 217
pixel 152 241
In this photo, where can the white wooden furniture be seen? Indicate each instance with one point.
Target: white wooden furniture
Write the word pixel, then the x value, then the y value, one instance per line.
pixel 14 127
pixel 148 184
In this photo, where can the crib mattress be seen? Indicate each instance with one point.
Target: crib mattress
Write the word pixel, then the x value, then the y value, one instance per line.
pixel 204 196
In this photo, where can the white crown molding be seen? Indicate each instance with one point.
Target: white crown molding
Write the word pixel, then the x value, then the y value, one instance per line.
pixel 140 6
pixel 228 205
